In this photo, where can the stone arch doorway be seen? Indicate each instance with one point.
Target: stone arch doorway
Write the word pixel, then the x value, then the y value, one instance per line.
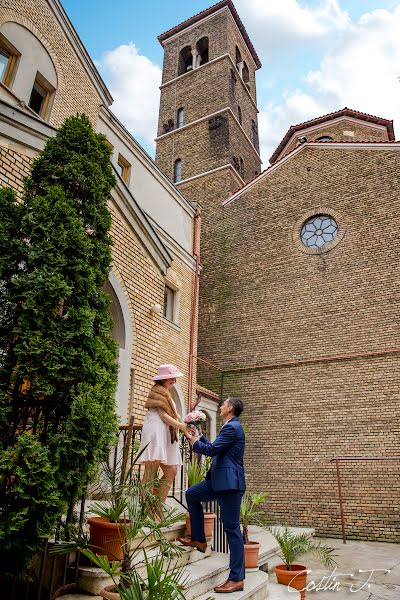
pixel 179 399
pixel 122 334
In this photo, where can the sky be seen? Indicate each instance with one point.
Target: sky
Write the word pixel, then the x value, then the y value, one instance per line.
pixel 318 56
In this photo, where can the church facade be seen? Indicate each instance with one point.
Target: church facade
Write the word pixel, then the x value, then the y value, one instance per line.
pixel 299 301
pixel 47 75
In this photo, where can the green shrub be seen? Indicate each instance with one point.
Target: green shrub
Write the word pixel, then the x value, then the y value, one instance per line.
pixel 58 369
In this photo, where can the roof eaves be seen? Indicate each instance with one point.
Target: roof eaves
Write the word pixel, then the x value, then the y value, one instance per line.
pixel 189 205
pixel 74 38
pixel 144 229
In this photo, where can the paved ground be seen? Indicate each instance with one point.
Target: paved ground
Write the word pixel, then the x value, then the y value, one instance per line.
pixel 380 582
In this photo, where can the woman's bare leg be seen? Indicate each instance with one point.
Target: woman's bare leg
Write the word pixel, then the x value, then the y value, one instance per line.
pixel 150 477
pixel 169 474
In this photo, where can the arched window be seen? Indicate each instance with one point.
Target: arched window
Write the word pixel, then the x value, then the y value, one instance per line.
pixel 27 68
pixel 122 334
pixel 185 60
pixel 202 49
pixel 239 115
pixel 254 130
pixel 325 138
pixel 177 170
pixel 238 58
pixel 179 118
pixel 245 73
pixel 241 170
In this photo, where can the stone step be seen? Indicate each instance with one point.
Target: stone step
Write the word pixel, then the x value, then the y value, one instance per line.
pixel 79 597
pixel 170 533
pixel 256 588
pixel 276 591
pixel 92 579
pixel 203 576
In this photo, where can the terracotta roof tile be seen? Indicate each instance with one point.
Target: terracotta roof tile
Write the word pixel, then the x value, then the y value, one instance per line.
pixel 202 391
pixel 208 11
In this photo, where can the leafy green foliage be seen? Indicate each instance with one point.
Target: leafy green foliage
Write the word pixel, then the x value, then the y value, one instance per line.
pixel 293 545
pixel 250 514
pixel 58 368
pixel 196 469
pixel 130 501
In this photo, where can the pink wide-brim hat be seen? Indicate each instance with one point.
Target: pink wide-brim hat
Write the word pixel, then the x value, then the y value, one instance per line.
pixel 167 372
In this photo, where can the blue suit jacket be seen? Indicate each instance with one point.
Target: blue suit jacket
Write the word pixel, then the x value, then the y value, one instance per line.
pixel 226 472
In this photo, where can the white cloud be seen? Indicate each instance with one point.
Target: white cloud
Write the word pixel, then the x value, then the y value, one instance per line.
pixel 281 24
pixel 360 71
pixel 134 82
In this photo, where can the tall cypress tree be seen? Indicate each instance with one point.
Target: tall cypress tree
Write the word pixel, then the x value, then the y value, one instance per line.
pixel 58 368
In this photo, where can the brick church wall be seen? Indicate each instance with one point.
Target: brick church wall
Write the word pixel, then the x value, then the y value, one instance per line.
pixel 196 92
pixel 273 302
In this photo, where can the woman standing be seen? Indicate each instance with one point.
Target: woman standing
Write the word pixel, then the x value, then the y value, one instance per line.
pixel 160 432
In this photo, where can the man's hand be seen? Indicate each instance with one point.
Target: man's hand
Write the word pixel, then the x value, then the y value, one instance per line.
pixel 193 439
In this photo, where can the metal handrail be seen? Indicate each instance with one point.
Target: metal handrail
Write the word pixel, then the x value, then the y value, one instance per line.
pixel 339 459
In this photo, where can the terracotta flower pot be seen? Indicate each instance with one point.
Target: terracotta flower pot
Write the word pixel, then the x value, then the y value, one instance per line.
pixel 107 538
pixel 209 519
pixel 251 552
pixel 108 594
pixel 296 578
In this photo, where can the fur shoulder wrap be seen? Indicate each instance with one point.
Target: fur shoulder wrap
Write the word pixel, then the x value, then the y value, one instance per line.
pixel 159 397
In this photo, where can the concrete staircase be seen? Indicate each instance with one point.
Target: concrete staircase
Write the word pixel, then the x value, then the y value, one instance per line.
pixel 203 572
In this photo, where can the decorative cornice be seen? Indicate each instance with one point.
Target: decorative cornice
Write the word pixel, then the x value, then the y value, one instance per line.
pixel 330 118
pixel 207 13
pixel 218 112
pixel 173 246
pixel 314 145
pixel 227 166
pixel 24 129
pixel 140 224
pixel 145 159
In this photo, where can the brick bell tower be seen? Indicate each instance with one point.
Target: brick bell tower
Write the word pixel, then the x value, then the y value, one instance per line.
pixel 207 139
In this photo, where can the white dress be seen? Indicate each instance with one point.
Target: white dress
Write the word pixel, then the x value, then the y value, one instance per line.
pixel 156 436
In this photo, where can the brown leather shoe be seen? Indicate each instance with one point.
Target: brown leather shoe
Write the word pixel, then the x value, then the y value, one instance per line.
pixel 229 586
pixel 200 546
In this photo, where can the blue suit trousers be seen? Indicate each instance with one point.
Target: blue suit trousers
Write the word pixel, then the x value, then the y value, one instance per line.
pixel 229 503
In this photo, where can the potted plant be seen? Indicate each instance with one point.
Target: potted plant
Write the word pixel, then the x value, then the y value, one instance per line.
pixel 161 580
pixel 196 470
pixel 292 546
pixel 130 508
pixel 251 515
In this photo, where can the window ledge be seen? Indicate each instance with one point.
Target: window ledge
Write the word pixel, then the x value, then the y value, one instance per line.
pixel 171 324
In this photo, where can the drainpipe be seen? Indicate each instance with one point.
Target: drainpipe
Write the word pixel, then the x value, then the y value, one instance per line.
pixel 196 254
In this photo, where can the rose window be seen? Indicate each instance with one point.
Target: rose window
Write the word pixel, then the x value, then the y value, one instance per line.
pixel 318 231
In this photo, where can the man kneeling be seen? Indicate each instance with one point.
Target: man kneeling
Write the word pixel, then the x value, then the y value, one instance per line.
pixel 224 482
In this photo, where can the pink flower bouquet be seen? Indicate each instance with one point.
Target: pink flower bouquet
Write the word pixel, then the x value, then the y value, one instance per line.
pixel 195 419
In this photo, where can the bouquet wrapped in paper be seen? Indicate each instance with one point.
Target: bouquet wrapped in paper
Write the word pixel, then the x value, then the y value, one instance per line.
pixel 196 419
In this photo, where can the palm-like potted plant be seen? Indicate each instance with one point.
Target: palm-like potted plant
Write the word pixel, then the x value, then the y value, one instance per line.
pixel 196 470
pixel 250 514
pixel 292 546
pixel 128 511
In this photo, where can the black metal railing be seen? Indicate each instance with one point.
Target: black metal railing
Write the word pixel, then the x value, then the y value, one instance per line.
pixel 52 573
